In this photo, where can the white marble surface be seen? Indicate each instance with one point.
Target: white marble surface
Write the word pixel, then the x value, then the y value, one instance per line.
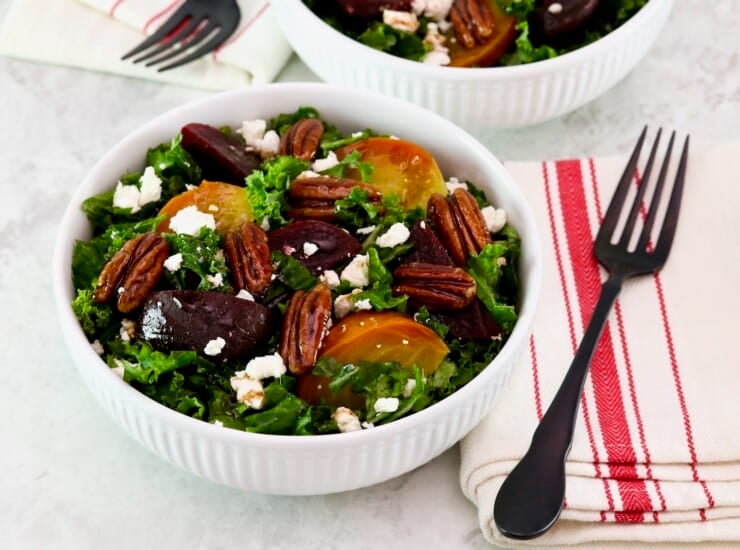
pixel 70 479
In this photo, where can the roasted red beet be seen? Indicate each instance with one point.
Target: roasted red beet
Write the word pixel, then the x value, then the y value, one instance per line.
pixel 221 157
pixel 317 245
pixel 472 323
pixel 427 246
pixel 196 320
pixel 367 9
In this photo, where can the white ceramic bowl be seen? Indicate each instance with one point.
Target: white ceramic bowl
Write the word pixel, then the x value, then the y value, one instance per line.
pixel 480 98
pixel 302 464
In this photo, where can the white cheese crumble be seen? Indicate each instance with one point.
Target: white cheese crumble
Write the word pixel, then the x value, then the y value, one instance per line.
pixel 153 322
pixel 433 9
pixel 409 388
pixel 363 305
pixel 386 404
pixel 397 234
pixel 330 278
pixel 501 261
pixel 366 230
pixel 218 423
pixel 495 218
pixel 401 20
pixel 439 53
pixel 133 197
pixel 356 272
pixel 173 263
pixel 248 391
pixel 97 347
pixel 189 221
pixel 128 330
pixel 555 8
pixel 215 346
pixel 367 425
pixel 331 160
pixel 309 249
pixel 346 420
pixel 454 183
pixel 216 280
pixel 244 294
pixel 265 366
pixel 307 174
pixel 255 136
pixel 343 304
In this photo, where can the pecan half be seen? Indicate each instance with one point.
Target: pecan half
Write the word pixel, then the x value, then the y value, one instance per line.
pixel 459 224
pixel 472 21
pixel 248 255
pixel 132 273
pixel 314 198
pixel 302 139
pixel 436 286
pixel 305 324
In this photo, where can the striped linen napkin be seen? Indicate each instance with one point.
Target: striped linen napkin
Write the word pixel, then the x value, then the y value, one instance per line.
pixel 656 454
pixel 94 34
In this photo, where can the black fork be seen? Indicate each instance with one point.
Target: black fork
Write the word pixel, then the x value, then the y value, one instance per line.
pixel 197 28
pixel 531 497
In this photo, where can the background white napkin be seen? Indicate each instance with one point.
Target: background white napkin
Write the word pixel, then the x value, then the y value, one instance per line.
pixel 95 34
pixel 656 455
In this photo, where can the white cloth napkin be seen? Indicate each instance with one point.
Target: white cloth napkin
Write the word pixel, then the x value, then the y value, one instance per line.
pixel 96 33
pixel 656 455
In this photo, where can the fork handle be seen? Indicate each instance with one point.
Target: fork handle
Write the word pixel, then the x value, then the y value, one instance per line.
pixel 531 497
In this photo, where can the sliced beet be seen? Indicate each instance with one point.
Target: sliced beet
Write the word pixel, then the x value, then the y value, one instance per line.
pixel 190 320
pixel 334 245
pixel 472 323
pixel 427 246
pixel 221 157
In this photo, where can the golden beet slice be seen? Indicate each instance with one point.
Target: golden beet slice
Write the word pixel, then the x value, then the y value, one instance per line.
pixel 399 167
pixel 384 336
pixel 228 204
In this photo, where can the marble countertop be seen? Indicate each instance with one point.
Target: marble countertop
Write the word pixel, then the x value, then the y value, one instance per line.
pixel 71 479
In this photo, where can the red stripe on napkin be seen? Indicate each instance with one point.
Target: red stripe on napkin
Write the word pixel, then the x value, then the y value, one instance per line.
pixel 604 377
pixel 571 329
pixel 535 378
pixel 114 7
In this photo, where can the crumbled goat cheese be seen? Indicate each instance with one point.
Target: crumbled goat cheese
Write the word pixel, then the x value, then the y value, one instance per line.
pixel 173 263
pixel 356 272
pixel 330 278
pixel 128 330
pixel 244 294
pixel 363 305
pixel 495 218
pixel 265 366
pixel 409 388
pixel 357 134
pixel 215 346
pixel 331 160
pixel 454 183
pixel 436 57
pixel 248 391
pixel 555 8
pixel 501 261
pixel 218 423
pixel 401 20
pixel 367 425
pixel 256 136
pixel 439 53
pixel 366 230
pixel 127 196
pixel 133 197
pixel 151 186
pixel 309 249
pixel 97 347
pixel 386 404
pixel 216 280
pixel 190 220
pixel 346 420
pixel 433 9
pixel 343 304
pixel 307 174
pixel 396 234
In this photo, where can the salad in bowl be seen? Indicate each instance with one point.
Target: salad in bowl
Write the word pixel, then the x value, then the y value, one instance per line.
pixel 283 293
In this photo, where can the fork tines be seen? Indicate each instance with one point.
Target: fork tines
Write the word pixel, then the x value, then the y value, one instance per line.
pixel 188 34
pixel 659 250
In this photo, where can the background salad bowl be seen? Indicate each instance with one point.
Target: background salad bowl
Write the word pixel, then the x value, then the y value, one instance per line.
pixel 288 464
pixel 476 98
